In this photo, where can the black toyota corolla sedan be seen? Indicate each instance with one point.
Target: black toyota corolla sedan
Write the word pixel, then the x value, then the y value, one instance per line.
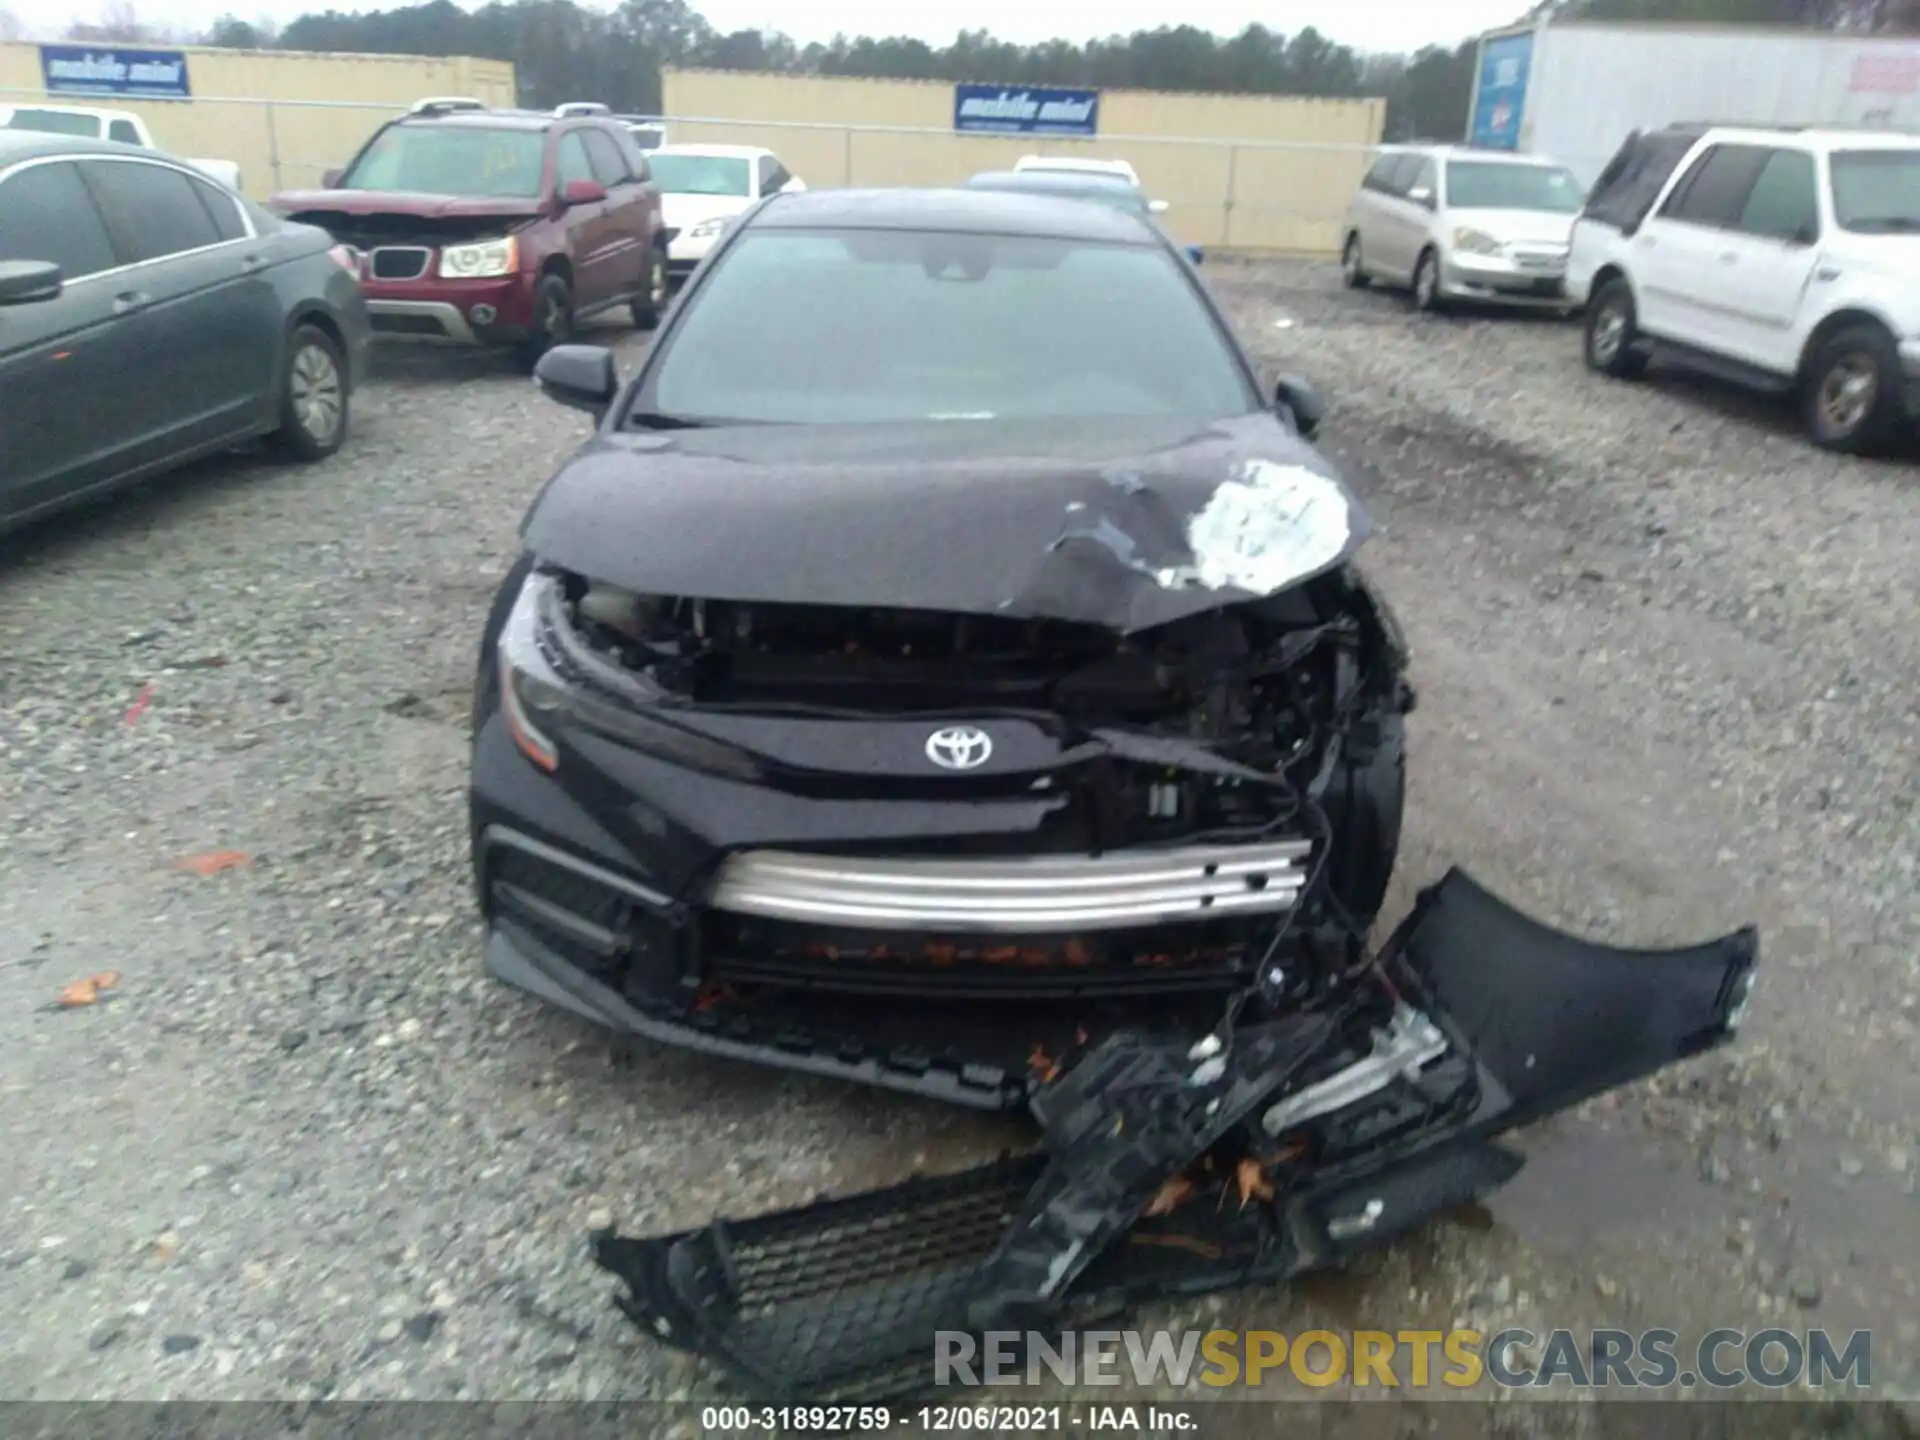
pixel 948 651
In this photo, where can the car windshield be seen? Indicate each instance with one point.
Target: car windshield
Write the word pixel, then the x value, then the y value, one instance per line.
pixel 888 325
pixel 702 174
pixel 1472 186
pixel 54 122
pixel 1877 192
pixel 435 159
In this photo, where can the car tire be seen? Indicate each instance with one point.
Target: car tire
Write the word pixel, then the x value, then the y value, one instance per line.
pixel 652 303
pixel 552 319
pixel 315 396
pixel 1612 332
pixel 1426 284
pixel 1852 394
pixel 1351 270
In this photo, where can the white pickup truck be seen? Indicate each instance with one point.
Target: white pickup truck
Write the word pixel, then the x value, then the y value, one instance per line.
pixel 95 124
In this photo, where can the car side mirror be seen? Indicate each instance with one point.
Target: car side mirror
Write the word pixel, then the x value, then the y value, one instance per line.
pixel 331 179
pixel 583 192
pixel 1421 196
pixel 28 282
pixel 1300 403
pixel 1196 254
pixel 581 377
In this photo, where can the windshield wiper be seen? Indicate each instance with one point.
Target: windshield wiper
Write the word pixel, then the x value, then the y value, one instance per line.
pixel 1885 224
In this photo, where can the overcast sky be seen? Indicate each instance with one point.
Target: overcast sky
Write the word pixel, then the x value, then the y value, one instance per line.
pixel 1365 24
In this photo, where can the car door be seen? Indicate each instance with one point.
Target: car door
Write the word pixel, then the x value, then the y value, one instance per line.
pixel 67 365
pixel 196 289
pixel 1404 220
pixel 624 217
pixel 1683 258
pixel 1763 277
pixel 588 229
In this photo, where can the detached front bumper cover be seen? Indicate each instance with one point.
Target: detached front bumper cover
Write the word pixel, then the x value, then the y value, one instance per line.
pixel 1321 1134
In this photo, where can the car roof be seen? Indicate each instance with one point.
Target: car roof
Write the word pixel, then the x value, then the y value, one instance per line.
pixel 32 144
pixel 497 120
pixel 720 152
pixel 975 212
pixel 1469 152
pixel 1102 181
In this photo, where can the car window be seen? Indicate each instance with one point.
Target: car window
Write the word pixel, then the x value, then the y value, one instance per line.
pixel 1493 185
pixel 609 166
pixel 123 131
pixel 1377 173
pixel 440 159
pixel 702 174
pixel 779 178
pixel 54 122
pixel 1784 203
pixel 1426 177
pixel 1877 192
pixel 223 209
pixel 571 158
pixel 154 210
pixel 899 325
pixel 46 213
pixel 1400 177
pixel 1714 190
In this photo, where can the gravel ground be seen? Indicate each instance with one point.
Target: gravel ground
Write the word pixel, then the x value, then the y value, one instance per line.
pixel 304 1148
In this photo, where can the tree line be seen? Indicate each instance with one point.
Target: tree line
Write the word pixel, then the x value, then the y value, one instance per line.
pixel 562 50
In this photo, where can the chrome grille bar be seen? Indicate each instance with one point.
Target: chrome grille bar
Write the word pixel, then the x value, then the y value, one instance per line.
pixel 1029 893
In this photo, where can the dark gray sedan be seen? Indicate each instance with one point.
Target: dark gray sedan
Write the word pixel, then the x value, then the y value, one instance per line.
pixel 148 316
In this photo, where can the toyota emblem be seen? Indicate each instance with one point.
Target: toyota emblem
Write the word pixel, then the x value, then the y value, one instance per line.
pixel 959 747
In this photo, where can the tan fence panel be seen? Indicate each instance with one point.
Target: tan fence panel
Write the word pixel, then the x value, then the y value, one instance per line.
pixel 284 117
pixel 1237 171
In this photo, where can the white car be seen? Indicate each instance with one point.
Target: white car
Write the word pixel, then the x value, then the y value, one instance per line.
pixel 96 124
pixel 1071 165
pixel 1785 260
pixel 1454 223
pixel 703 187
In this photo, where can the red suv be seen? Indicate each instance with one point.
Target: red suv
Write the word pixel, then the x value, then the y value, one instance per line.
pixel 495 227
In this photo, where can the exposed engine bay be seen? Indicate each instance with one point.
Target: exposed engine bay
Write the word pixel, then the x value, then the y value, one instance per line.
pixel 367 232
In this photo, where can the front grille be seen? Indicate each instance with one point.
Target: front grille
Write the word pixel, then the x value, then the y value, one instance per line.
pixel 400 262
pixel 1020 895
pixel 408 324
pixel 1160 960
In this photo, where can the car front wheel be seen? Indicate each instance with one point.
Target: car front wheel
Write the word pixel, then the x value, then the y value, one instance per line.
pixel 552 319
pixel 1613 330
pixel 314 396
pixel 1426 283
pixel 652 302
pixel 1351 270
pixel 1852 396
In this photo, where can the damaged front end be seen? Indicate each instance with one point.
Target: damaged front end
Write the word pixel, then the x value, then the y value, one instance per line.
pixel 1172 1166
pixel 1031 770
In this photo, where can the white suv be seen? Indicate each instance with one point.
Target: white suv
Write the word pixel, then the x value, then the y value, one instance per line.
pixel 1453 223
pixel 1785 260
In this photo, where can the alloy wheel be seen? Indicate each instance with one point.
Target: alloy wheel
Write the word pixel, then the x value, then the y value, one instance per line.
pixel 316 392
pixel 1847 393
pixel 1609 330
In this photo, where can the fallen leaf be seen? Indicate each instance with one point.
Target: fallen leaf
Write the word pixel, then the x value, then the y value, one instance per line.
pixel 1252 1182
pixel 214 861
pixel 139 706
pixel 1043 1065
pixel 1170 1195
pixel 87 991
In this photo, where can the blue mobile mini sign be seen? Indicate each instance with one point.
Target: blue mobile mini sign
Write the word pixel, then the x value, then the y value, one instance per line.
pixel 1500 96
pixel 110 70
pixel 1021 110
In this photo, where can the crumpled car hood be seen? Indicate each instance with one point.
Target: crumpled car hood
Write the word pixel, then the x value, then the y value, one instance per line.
pixel 398 202
pixel 1124 525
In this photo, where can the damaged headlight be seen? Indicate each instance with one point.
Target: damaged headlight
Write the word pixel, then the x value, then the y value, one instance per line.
pixel 538 697
pixel 480 261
